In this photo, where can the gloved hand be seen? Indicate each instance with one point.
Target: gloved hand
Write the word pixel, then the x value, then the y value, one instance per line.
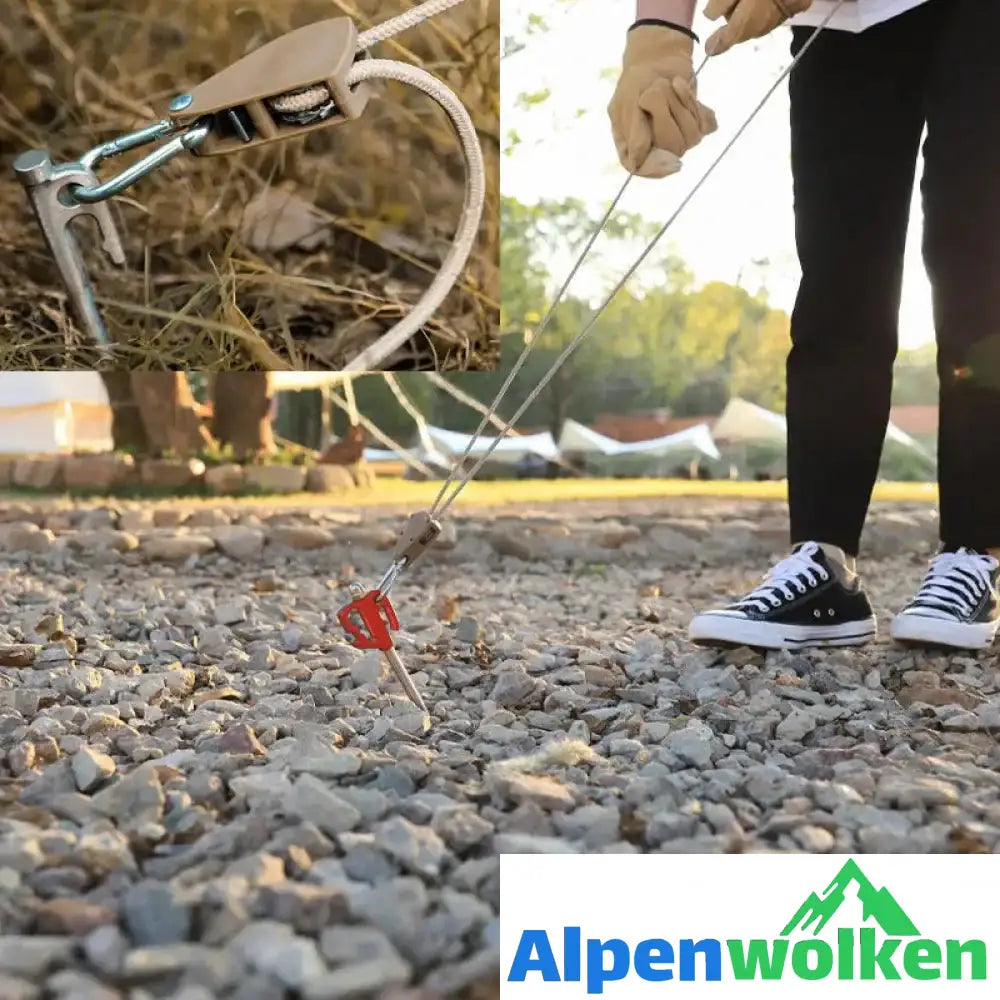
pixel 655 113
pixel 746 19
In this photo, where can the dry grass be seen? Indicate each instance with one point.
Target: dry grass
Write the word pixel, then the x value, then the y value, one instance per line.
pixel 195 295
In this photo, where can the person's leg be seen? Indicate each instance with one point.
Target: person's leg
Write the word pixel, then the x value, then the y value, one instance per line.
pixel 958 603
pixel 856 118
pixel 961 189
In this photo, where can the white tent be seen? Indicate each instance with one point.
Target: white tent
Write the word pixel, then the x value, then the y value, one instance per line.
pixel 743 421
pixel 46 413
pixel 746 422
pixel 431 457
pixel 577 439
pixel 694 441
pixel 509 450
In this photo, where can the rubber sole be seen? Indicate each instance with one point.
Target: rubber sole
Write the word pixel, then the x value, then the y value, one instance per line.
pixel 729 630
pixel 925 631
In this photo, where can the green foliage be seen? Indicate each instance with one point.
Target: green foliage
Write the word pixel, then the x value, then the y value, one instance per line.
pixel 671 345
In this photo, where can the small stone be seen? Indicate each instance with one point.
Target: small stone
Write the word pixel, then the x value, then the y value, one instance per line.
pixel 461 827
pixel 71 916
pixel 814 839
pixel 105 948
pixel 154 914
pixel 358 980
pixel 468 630
pixel 245 544
pixel 513 687
pixel 961 721
pixel 230 613
pixel 136 798
pixel 796 725
pixel 313 802
pixel 241 739
pixel 368 669
pixel 693 744
pixel 32 957
pixel 259 869
pixel 303 537
pixel 21 758
pixel 417 848
pixel 306 908
pixel 91 768
pixel 272 948
pixel 538 789
pixel 21 655
pixel 176 547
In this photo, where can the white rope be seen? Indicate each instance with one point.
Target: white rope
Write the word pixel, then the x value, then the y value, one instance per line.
pixel 427 442
pixel 301 100
pixel 352 405
pixel 470 401
pixel 451 269
pixel 441 505
pixel 403 22
pixel 404 401
pixel 523 357
pixel 468 227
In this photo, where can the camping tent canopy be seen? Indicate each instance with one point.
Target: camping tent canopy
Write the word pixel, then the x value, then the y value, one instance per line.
pixel 509 450
pixel 743 421
pixel 576 438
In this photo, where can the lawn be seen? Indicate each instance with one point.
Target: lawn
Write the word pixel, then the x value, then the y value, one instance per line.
pixel 393 492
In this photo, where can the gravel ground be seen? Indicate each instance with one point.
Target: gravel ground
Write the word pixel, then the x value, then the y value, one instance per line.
pixel 204 792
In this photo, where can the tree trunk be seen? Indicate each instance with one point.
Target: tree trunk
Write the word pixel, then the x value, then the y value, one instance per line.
pixel 169 413
pixel 243 412
pixel 127 429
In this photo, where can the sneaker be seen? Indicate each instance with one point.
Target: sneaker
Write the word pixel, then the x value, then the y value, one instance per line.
pixel 802 602
pixel 957 605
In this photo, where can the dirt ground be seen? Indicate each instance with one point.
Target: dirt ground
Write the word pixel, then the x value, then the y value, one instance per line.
pixel 208 794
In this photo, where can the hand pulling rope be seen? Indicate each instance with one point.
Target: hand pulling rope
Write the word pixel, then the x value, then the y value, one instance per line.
pixel 370 614
pixel 440 504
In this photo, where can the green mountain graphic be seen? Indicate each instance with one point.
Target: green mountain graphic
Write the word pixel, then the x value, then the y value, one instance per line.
pixel 878 905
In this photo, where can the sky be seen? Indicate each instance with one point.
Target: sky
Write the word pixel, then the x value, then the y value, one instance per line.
pixel 742 214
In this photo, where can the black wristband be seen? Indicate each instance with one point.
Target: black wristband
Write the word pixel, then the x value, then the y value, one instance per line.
pixel 653 21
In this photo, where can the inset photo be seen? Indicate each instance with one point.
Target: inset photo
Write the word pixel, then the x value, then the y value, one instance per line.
pixel 305 185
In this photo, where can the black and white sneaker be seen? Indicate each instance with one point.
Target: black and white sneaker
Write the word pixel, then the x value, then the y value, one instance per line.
pixel 957 605
pixel 802 602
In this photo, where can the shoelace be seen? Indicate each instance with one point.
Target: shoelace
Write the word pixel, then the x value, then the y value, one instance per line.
pixel 956 581
pixel 799 571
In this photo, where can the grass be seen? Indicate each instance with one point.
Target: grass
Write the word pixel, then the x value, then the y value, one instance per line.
pixel 199 292
pixel 390 492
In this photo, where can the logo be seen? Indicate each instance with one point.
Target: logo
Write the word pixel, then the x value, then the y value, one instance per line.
pixel 855 931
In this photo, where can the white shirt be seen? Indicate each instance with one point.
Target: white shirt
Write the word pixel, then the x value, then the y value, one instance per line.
pixel 855 15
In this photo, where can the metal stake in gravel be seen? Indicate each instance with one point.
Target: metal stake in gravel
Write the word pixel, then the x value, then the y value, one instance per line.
pixel 423 528
pixel 311 78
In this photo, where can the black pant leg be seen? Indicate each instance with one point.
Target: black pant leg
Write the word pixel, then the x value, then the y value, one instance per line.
pixel 856 121
pixel 961 191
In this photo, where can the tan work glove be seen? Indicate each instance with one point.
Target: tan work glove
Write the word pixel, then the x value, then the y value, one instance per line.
pixel 746 19
pixel 655 114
